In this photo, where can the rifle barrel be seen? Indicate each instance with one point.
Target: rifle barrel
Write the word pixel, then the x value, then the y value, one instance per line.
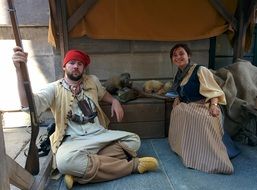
pixel 14 22
pixel 32 162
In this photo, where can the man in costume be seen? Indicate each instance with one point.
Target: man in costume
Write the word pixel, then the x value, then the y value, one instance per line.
pixel 84 149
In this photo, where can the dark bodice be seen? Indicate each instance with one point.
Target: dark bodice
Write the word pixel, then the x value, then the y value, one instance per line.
pixel 190 91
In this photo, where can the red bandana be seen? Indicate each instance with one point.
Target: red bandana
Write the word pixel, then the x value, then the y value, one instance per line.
pixel 76 55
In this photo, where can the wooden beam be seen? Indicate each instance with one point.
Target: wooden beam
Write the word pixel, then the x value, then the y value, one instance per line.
pixel 62 25
pixel 13 173
pixel 18 176
pixel 21 178
pixel 250 7
pixel 4 177
pixel 219 6
pixel 244 13
pixel 212 53
pixel 255 47
pixel 239 42
pixel 53 13
pixel 80 13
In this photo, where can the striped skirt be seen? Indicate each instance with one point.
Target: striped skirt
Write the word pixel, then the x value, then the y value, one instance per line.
pixel 197 138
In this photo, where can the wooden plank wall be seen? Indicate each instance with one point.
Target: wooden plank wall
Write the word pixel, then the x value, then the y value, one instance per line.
pixel 144 60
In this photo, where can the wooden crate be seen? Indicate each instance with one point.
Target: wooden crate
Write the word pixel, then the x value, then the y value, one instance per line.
pixel 143 116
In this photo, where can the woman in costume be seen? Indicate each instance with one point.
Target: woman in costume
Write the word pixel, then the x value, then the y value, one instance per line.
pixel 196 129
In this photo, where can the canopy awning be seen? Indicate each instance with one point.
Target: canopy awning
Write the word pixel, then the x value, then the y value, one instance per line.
pixel 162 20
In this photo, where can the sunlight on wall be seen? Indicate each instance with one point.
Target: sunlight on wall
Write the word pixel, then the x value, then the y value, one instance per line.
pixel 9 95
pixel 9 99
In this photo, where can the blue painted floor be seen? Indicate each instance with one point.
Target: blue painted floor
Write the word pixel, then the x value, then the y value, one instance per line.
pixel 172 175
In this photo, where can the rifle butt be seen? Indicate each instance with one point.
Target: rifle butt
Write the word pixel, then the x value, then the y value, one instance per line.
pixel 32 162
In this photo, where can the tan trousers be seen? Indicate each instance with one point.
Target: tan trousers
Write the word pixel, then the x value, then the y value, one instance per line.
pixel 111 162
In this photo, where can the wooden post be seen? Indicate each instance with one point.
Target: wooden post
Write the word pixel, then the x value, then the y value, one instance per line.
pixel 240 34
pixel 18 176
pixel 212 53
pixel 240 22
pixel 4 176
pixel 62 26
pixel 245 10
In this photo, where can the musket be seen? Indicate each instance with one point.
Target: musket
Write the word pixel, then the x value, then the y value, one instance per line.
pixel 32 162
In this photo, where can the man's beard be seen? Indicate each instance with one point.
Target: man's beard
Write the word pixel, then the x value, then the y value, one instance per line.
pixel 74 78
